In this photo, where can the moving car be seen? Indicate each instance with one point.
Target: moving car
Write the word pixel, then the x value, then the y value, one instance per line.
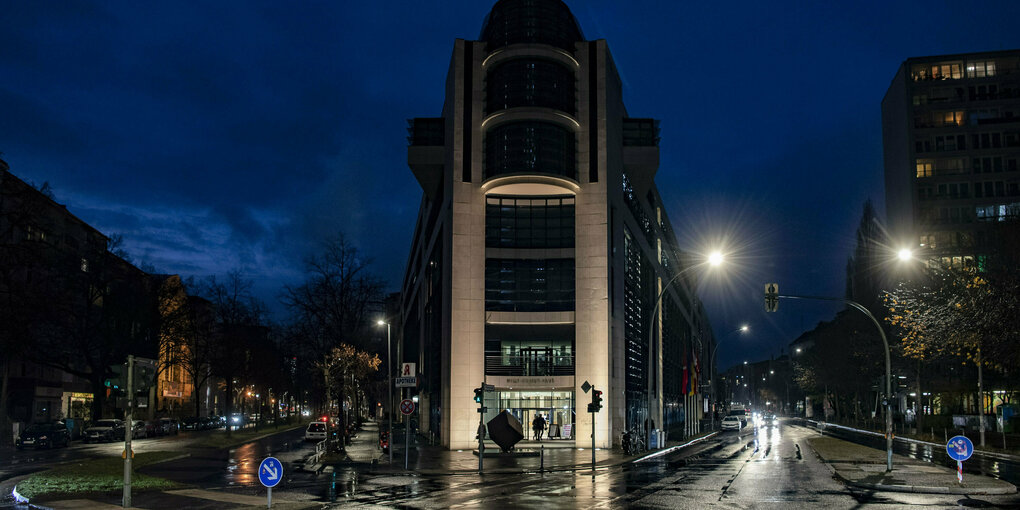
pixel 769 420
pixel 316 431
pixel 44 435
pixel 105 430
pixel 731 422
pixel 742 414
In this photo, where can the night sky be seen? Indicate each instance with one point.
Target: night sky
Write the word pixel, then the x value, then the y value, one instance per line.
pixel 222 135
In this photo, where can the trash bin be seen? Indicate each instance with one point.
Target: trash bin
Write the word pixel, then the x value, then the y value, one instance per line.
pixel 1003 415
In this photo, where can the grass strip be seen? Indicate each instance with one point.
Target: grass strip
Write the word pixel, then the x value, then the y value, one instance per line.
pixel 100 476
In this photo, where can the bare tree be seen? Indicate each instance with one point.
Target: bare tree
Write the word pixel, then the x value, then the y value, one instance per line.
pixel 333 303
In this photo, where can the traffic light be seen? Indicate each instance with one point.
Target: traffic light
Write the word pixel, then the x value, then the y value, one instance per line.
pixel 144 375
pixel 479 393
pixel 596 400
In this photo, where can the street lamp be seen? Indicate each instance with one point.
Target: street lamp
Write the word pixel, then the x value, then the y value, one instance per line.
pixel 711 364
pixel 714 259
pixel 389 389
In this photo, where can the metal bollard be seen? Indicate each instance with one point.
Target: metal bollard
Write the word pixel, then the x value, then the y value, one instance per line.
pixel 541 461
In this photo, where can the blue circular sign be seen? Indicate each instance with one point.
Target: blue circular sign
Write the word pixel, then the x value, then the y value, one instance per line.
pixel 960 448
pixel 270 472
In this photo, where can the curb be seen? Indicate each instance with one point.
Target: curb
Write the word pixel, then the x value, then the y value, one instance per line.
pixel 920 489
pixel 915 489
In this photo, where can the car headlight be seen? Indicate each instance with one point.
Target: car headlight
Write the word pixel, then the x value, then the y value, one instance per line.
pixel 42 438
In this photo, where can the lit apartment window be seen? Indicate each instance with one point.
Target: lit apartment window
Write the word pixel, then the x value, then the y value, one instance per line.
pixel 981 69
pixel 925 167
pixel 925 72
pixel 84 265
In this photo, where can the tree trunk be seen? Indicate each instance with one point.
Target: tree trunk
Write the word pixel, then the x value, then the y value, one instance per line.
pixel 98 396
pixel 229 404
pixel 5 423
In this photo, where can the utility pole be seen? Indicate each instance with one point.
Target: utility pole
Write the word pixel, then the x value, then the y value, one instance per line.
pixel 128 430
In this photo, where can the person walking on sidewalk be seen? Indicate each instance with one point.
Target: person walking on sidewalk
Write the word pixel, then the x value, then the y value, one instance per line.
pixel 538 426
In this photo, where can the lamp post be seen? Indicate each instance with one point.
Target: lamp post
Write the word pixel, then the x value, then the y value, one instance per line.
pixel 715 259
pixel 711 367
pixel 888 368
pixel 389 389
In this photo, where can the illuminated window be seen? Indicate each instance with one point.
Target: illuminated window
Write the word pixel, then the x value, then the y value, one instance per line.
pixel 84 265
pixel 923 72
pixel 981 69
pixel 925 168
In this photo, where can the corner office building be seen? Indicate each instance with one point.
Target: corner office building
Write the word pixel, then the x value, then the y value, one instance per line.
pixel 541 244
pixel 951 138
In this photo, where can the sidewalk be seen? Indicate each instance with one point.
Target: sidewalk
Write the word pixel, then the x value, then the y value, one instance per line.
pixel 864 467
pixel 558 455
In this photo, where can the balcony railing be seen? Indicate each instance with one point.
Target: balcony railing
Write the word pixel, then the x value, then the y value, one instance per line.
pixel 534 365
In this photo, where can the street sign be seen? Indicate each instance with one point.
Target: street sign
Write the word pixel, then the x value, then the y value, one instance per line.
pixel 270 471
pixel 489 387
pixel 406 406
pixel 407 370
pixel 960 448
pixel 405 382
pixel 771 297
pixel 586 386
pixel 483 409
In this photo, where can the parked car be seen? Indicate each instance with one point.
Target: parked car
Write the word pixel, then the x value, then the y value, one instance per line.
pixel 105 430
pixel 169 426
pixel 731 422
pixel 138 429
pixel 44 435
pixel 190 423
pixel 316 431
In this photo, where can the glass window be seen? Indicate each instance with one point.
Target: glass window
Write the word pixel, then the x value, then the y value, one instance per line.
pixel 530 147
pixel 529 222
pixel 981 69
pixel 530 82
pixel 925 167
pixel 529 285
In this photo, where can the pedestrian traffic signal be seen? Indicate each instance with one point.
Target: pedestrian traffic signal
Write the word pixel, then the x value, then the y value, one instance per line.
pixel 479 392
pixel 596 400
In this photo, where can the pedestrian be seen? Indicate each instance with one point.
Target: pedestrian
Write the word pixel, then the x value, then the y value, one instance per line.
pixel 536 427
pixel 541 426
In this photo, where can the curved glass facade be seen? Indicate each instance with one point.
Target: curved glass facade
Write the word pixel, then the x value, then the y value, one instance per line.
pixel 530 82
pixel 531 21
pixel 529 285
pixel 529 222
pixel 530 147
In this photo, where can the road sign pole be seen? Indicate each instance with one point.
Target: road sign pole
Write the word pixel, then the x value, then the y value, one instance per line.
pixel 593 441
pixel 270 473
pixel 407 437
pixel 128 430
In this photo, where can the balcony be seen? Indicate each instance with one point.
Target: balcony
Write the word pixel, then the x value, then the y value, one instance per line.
pixel 537 363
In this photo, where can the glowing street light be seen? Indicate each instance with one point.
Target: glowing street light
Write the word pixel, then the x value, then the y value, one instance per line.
pixel 905 254
pixel 716 258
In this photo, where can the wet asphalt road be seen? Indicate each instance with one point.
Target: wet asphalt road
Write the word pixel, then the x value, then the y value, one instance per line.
pixel 771 467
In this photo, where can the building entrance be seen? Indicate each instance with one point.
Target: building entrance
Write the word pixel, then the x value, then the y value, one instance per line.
pixel 557 407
